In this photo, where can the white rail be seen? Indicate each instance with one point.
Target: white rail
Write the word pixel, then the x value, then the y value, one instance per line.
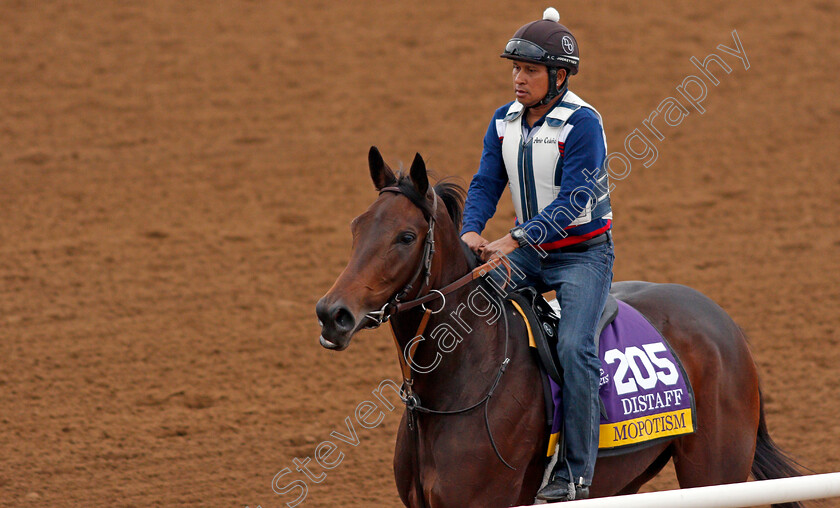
pixel 735 495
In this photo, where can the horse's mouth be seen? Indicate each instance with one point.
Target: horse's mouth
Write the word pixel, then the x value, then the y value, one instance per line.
pixel 337 340
pixel 328 344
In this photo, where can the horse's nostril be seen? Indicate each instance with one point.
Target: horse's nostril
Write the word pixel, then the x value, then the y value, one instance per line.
pixel 344 319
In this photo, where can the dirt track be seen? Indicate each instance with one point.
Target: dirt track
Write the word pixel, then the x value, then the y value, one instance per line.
pixel 176 184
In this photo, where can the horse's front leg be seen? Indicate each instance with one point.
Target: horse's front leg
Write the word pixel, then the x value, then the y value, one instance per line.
pixel 404 463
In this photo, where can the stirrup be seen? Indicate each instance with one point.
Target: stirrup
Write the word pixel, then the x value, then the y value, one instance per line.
pixel 560 490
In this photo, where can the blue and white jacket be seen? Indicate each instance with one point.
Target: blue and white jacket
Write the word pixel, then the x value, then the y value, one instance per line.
pixel 554 170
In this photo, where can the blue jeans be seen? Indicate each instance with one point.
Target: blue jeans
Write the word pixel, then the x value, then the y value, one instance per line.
pixel 582 281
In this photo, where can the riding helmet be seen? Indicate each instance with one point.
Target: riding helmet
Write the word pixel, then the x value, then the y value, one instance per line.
pixel 545 42
pixel 549 43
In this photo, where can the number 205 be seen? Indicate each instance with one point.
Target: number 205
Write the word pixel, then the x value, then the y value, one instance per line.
pixel 644 375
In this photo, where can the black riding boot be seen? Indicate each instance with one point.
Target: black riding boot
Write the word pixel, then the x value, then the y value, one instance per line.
pixel 559 489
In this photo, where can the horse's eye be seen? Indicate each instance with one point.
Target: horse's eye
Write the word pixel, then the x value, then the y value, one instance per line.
pixel 406 238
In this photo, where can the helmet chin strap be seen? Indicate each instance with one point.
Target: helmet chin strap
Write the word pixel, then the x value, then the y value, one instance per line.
pixel 554 91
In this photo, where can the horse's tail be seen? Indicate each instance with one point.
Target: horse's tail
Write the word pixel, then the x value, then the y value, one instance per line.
pixel 770 461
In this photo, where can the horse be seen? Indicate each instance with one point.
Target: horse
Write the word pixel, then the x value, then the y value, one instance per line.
pixel 473 433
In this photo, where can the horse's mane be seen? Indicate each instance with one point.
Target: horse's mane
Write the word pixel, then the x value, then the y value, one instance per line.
pixel 453 196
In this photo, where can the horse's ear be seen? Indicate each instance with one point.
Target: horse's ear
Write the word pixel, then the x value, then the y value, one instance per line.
pixel 380 173
pixel 419 176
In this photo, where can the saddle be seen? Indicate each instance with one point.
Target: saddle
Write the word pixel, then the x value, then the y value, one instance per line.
pixel 633 414
pixel 542 318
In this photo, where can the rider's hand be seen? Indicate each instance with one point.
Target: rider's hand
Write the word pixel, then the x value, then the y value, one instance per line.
pixel 474 241
pixel 503 246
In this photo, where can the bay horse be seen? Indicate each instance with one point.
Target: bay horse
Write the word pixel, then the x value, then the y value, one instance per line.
pixel 474 430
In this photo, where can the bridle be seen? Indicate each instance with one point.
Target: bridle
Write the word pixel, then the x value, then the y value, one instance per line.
pixel 395 305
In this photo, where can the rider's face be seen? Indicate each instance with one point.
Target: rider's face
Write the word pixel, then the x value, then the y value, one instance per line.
pixel 530 82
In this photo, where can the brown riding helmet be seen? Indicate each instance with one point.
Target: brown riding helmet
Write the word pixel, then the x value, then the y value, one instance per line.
pixel 545 42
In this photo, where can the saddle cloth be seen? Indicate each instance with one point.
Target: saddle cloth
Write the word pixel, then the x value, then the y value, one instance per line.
pixel 645 394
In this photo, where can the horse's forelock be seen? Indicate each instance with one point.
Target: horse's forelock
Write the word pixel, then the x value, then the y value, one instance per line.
pixel 408 190
pixel 449 190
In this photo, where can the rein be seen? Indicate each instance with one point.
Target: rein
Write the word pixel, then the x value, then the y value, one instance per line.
pixel 395 306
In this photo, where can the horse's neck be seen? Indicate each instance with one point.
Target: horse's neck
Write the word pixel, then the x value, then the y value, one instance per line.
pixel 459 352
pixel 450 262
pixel 460 345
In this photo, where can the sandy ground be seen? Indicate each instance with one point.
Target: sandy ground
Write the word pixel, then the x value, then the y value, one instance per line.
pixel 177 179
